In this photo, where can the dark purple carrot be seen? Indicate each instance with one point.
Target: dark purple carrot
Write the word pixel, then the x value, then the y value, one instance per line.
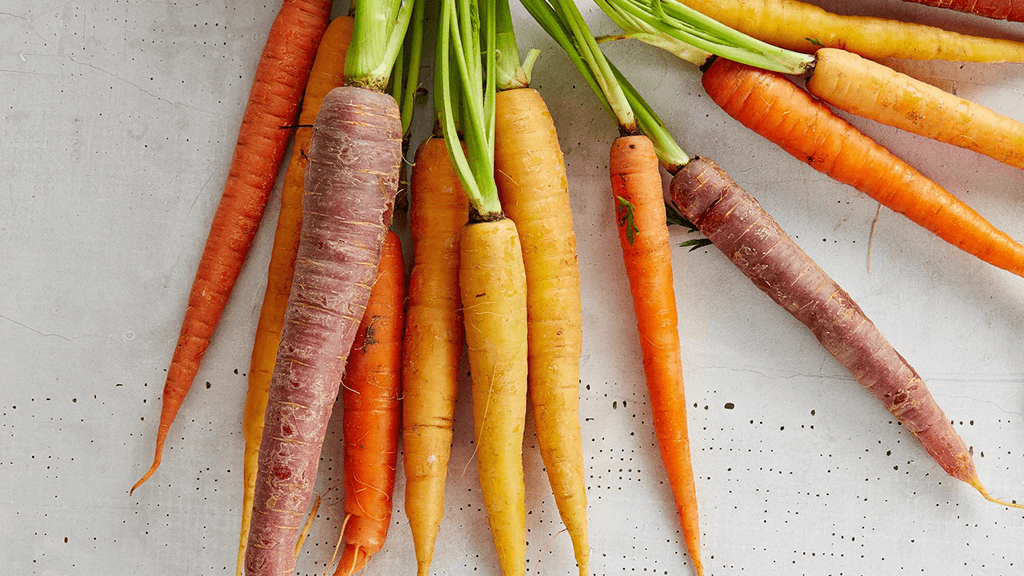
pixel 735 222
pixel 351 180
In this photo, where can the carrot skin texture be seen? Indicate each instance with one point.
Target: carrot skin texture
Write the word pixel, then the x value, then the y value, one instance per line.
pixel 327 72
pixel 351 180
pixel 492 283
pixel 805 27
pixel 1011 10
pixel 875 91
pixel 774 107
pixel 735 222
pixel 534 192
pixel 371 398
pixel 648 258
pixel 278 84
pixel 432 350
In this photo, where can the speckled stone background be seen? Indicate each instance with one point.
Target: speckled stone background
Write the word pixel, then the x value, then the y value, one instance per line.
pixel 117 120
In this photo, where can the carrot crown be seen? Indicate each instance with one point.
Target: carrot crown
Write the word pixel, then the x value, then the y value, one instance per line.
pixel 508 71
pixel 564 23
pixel 461 26
pixel 378 32
pixel 692 36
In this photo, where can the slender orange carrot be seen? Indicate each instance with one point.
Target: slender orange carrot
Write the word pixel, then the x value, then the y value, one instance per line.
pixel 274 98
pixel 806 27
pixel 773 106
pixel 433 342
pixel 371 392
pixel 872 90
pixel 328 71
pixel 643 235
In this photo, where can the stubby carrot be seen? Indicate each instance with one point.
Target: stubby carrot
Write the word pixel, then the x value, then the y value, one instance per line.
pixel 350 187
pixel 774 107
pixel 1012 10
pixel 806 27
pixel 328 72
pixel 371 396
pixel 533 187
pixel 737 225
pixel 273 105
pixel 433 342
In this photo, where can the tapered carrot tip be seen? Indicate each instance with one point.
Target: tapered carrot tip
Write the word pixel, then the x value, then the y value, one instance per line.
pixel 976 482
pixel 353 559
pixel 152 469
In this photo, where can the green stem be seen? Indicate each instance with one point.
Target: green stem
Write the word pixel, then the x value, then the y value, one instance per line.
pixel 683 31
pixel 378 33
pixel 459 40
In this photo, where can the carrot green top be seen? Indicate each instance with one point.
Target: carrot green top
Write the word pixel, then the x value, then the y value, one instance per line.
pixel 690 35
pixel 378 32
pixel 564 23
pixel 461 74
pixel 405 74
pixel 510 74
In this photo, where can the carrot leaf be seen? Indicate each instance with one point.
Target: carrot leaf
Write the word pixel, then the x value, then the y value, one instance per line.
pixel 624 215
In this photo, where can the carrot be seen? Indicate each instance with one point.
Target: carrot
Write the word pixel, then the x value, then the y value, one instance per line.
pixel 492 277
pixel 773 106
pixel 806 27
pixel 533 187
pixel 637 190
pixel 327 72
pixel 643 235
pixel 277 88
pixel 735 222
pixel 1012 10
pixel 875 91
pixel 433 342
pixel 371 399
pixel 351 180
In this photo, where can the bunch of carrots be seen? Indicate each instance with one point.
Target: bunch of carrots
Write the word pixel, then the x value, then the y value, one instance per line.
pixel 494 269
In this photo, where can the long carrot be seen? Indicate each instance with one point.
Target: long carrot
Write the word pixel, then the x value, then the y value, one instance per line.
pixel 735 222
pixel 371 399
pixel 840 78
pixel 492 277
pixel 351 180
pixel 433 342
pixel 640 210
pixel 1012 10
pixel 805 27
pixel 533 187
pixel 328 71
pixel 277 88
pixel 773 106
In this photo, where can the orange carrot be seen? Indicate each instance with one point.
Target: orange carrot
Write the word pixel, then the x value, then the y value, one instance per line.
pixel 643 235
pixel 328 72
pixel 433 342
pixel 274 98
pixel 773 106
pixel 806 27
pixel 371 399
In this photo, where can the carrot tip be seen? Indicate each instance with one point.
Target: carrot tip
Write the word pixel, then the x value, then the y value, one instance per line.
pixel 145 476
pixel 977 486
